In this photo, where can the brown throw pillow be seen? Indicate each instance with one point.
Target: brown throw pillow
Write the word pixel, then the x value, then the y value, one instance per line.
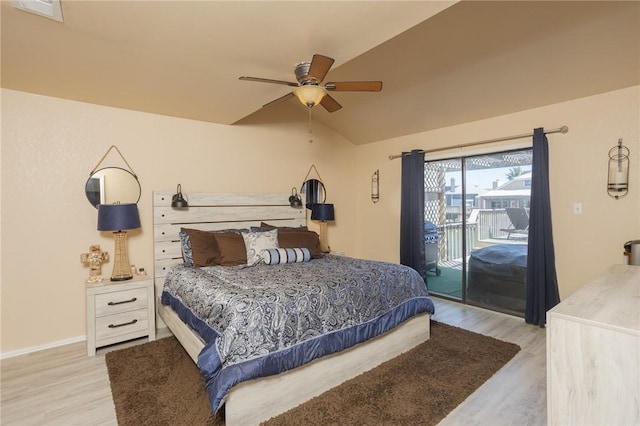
pixel 297 228
pixel 294 238
pixel 231 247
pixel 204 249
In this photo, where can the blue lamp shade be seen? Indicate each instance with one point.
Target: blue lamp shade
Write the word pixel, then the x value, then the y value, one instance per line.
pixel 118 217
pixel 323 212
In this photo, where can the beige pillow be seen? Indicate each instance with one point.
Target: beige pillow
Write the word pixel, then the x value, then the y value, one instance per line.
pixel 256 242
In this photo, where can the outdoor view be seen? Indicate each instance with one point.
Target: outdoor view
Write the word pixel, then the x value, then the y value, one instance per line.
pixel 476 228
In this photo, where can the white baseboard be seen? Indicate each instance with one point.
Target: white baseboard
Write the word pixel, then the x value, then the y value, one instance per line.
pixel 162 331
pixel 31 349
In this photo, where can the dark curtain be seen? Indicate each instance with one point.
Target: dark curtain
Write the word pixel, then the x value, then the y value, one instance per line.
pixel 412 212
pixel 542 282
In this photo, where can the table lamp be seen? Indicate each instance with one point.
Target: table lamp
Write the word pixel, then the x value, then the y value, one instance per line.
pixel 323 213
pixel 118 218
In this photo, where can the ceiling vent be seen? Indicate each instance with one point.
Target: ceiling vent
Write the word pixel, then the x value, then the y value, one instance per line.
pixel 47 8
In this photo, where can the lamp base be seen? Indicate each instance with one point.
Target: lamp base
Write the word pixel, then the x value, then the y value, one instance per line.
pixel 121 278
pixel 324 240
pixel 121 265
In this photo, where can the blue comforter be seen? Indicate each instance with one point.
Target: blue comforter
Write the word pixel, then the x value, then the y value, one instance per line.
pixel 265 319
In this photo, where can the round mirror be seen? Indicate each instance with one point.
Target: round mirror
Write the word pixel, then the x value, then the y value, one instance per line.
pixel 112 185
pixel 314 192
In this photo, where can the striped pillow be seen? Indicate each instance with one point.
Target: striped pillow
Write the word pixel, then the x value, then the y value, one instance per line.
pixel 275 256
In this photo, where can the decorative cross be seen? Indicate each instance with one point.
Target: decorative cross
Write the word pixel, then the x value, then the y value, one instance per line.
pixel 95 258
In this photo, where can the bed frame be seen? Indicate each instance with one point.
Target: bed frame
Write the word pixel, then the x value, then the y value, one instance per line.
pixel 257 400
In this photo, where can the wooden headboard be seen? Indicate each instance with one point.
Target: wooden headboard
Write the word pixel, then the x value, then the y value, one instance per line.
pixel 210 212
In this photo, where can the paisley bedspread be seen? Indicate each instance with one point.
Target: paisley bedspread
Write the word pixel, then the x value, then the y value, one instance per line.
pixel 261 320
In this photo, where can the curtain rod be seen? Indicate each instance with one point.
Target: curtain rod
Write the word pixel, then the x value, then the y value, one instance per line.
pixel 563 129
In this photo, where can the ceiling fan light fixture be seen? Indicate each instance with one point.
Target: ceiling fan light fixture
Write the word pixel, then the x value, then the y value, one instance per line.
pixel 310 95
pixel 309 90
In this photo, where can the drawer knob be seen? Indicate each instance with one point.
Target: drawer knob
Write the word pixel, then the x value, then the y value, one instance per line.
pixel 124 301
pixel 123 324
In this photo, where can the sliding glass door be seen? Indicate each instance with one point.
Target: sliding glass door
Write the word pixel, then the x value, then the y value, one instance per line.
pixel 476 224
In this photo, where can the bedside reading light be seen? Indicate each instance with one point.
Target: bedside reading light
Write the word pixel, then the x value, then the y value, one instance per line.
pixel 119 218
pixel 323 213
pixel 294 200
pixel 178 201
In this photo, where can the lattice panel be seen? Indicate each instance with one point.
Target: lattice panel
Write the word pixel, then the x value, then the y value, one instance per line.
pixel 434 203
pixel 434 200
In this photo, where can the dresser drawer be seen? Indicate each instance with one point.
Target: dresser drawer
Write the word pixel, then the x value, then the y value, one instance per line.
pixel 121 324
pixel 120 301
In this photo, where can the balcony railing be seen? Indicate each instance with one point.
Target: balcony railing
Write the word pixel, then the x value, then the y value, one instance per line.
pixel 483 227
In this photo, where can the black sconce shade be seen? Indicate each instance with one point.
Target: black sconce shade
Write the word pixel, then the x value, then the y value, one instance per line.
pixel 177 201
pixel 294 200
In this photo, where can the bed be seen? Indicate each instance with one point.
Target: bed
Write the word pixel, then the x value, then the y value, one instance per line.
pixel 497 276
pixel 243 369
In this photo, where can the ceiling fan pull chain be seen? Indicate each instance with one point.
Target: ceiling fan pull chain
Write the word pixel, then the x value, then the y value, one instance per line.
pixel 310 129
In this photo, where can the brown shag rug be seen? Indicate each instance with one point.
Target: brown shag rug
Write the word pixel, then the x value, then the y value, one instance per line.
pixel 156 383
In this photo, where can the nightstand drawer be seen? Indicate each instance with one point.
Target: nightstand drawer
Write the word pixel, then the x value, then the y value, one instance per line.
pixel 120 301
pixel 122 323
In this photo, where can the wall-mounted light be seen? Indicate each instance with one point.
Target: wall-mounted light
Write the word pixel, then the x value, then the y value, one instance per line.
pixel 294 200
pixel 618 176
pixel 178 201
pixel 375 186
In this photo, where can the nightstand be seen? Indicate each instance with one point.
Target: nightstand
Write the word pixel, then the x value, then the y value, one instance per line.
pixel 119 311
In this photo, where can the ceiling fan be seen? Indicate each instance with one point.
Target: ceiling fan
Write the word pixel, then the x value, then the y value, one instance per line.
pixel 309 89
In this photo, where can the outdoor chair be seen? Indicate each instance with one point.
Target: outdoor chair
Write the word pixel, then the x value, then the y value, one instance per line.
pixel 519 221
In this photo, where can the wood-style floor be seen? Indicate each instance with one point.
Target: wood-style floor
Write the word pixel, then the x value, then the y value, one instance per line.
pixel 62 386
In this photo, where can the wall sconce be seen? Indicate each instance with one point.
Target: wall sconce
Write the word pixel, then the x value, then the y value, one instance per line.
pixel 178 201
pixel 294 200
pixel 375 186
pixel 618 176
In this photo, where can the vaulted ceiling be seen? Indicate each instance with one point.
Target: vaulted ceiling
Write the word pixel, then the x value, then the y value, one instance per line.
pixel 442 63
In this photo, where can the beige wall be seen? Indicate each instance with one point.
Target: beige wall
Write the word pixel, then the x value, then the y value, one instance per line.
pixel 50 145
pixel 585 244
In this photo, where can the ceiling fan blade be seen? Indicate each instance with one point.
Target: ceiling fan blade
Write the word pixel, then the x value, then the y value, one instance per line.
pixel 319 67
pixel 268 80
pixel 354 86
pixel 330 104
pixel 280 99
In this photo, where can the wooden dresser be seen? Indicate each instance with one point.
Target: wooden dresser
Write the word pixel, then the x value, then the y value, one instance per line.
pixel 593 352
